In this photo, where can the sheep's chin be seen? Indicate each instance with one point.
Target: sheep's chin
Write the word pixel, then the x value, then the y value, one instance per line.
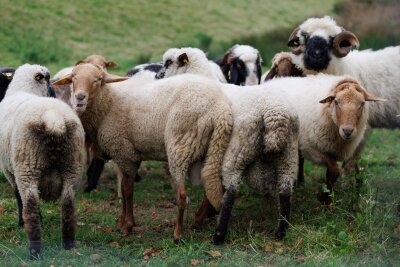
pixel 80 107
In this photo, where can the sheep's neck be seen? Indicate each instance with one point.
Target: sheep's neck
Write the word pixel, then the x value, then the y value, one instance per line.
pixel 96 112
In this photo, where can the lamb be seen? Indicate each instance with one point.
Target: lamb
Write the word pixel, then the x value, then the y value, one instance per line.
pixel 264 144
pixel 35 131
pixel 176 120
pixel 6 74
pixel 320 45
pixel 241 65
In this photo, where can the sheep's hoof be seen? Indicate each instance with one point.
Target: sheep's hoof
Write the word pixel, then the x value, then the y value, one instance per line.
pixel 21 223
pixel 177 237
pixel 138 178
pixel 68 244
pixel 88 189
pixel 279 235
pixel 34 252
pixel 324 198
pixel 195 225
pixel 218 238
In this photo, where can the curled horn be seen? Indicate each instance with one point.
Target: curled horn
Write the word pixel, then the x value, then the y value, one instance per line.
pixel 294 42
pixel 343 42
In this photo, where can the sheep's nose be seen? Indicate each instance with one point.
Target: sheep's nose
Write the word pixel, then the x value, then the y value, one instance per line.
pixel 317 53
pixel 80 97
pixel 348 131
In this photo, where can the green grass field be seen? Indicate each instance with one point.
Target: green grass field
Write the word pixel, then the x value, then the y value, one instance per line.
pixel 361 229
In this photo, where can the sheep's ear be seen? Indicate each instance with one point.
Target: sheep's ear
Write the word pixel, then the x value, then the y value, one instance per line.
pixel 63 80
pixel 369 96
pixel 328 99
pixel 79 62
pixel 272 73
pixel 183 60
pixel 111 64
pixel 111 78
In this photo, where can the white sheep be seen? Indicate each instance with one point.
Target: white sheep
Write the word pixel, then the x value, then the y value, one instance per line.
pixel 264 139
pixel 35 132
pixel 176 120
pixel 241 65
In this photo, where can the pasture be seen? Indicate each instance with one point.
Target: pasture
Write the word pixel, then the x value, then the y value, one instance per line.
pixel 362 228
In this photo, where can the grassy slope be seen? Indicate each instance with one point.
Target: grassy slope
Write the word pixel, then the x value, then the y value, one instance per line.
pixel 362 229
pixel 58 33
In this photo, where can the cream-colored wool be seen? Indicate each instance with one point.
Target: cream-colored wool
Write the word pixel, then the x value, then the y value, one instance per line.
pixel 40 149
pixel 183 120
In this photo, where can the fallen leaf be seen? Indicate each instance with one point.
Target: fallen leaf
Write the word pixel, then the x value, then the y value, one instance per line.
pixel 268 248
pixel 214 253
pixel 279 244
pixel 106 229
pixel 194 262
pixel 301 257
pixel 279 251
pixel 146 258
pixel 114 244
pixel 49 211
pixel 2 209
pixel 147 251
pixel 212 262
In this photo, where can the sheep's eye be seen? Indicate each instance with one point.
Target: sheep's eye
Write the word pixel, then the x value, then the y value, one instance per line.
pixel 39 77
pixel 305 35
pixel 167 63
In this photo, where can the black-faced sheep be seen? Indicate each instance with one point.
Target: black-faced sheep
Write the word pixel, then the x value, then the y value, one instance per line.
pixel 241 65
pixel 34 133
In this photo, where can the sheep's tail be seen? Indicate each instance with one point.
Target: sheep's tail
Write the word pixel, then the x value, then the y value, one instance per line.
pixel 278 124
pixel 211 173
pixel 50 123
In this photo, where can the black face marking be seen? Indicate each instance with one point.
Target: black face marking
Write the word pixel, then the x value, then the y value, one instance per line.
pixel 6 75
pixel 167 63
pixel 132 72
pixel 317 54
pixel 258 69
pixel 154 67
pixel 238 72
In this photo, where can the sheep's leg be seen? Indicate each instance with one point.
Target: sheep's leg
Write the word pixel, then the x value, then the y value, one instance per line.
pixel 226 210
pixel 93 173
pixel 332 174
pixel 68 219
pixel 20 208
pixel 300 174
pixel 201 214
pixel 181 201
pixel 126 221
pixel 31 216
pixel 284 214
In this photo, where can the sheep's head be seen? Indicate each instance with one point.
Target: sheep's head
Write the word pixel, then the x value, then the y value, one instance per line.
pixel 98 60
pixel 87 80
pixel 318 39
pixel 241 65
pixel 282 66
pixel 6 75
pixel 346 103
pixel 184 60
pixel 34 79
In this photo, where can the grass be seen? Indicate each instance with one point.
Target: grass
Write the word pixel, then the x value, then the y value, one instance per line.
pixel 362 228
pixel 58 33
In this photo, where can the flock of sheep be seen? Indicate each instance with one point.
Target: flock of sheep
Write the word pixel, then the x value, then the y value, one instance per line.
pixel 219 123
